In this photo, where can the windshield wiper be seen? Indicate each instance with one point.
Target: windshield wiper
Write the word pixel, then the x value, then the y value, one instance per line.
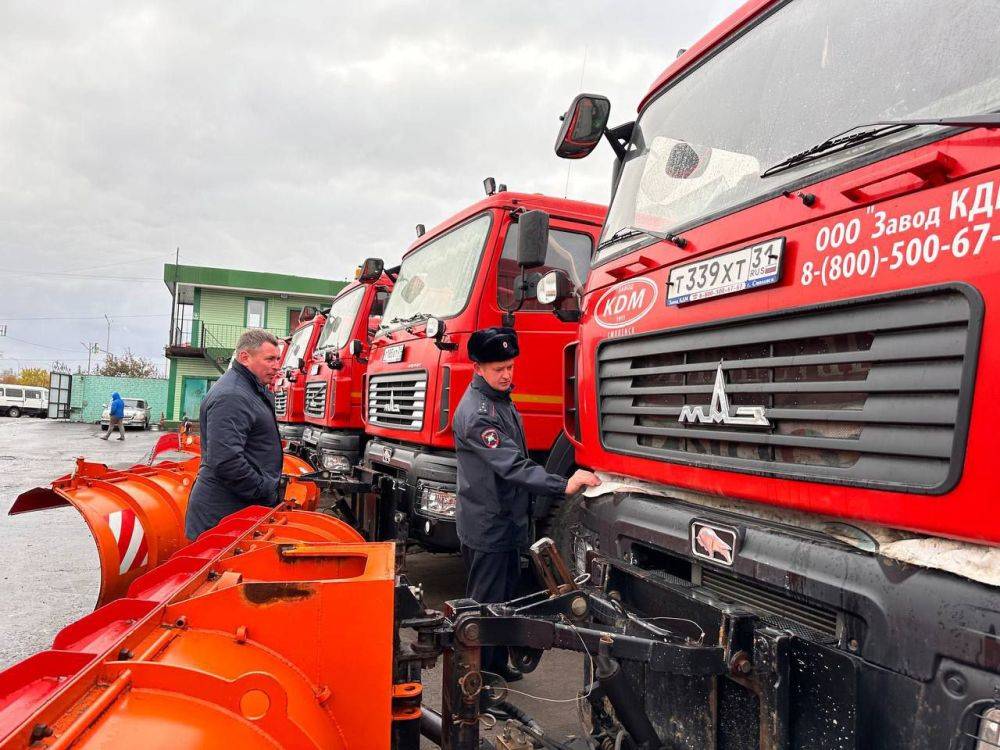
pixel 850 137
pixel 413 318
pixel 628 232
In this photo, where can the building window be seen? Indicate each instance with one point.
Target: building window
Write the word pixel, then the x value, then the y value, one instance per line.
pixel 256 313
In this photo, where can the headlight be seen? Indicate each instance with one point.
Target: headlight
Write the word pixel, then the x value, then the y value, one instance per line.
pixel 438 502
pixel 989 730
pixel 335 462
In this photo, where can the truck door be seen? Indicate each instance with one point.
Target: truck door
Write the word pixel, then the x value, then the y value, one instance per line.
pixel 542 337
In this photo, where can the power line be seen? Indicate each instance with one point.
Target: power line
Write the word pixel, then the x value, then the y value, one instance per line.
pixel 40 346
pixel 88 317
pixel 83 276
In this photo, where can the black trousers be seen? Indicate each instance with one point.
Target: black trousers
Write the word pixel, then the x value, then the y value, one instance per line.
pixel 491 577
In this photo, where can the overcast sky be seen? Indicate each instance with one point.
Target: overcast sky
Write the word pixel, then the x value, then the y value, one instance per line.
pixel 291 137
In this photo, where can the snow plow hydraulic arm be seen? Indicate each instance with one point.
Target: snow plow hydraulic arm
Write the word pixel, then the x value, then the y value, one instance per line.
pixel 529 626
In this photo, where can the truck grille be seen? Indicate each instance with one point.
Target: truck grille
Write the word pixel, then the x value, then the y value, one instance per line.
pixel 315 405
pixel 280 402
pixel 397 400
pixel 779 608
pixel 873 391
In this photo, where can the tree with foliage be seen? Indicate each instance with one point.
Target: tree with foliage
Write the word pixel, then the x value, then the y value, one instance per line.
pixel 8 376
pixel 37 376
pixel 127 365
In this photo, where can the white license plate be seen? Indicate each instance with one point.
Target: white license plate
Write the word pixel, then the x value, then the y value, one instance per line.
pixel 746 268
pixel 393 353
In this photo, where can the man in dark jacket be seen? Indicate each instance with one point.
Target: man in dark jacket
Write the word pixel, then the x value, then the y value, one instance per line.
pixel 496 479
pixel 240 446
pixel 116 416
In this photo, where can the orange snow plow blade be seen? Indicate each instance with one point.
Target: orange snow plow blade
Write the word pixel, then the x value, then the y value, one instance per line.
pixel 238 640
pixel 136 515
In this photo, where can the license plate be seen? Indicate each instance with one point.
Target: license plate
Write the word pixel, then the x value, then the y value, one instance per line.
pixel 393 353
pixel 736 271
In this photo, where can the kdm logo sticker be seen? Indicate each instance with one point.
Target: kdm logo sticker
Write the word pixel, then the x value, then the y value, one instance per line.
pixel 625 303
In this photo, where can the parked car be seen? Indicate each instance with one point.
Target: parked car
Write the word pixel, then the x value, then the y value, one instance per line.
pixel 136 414
pixel 16 400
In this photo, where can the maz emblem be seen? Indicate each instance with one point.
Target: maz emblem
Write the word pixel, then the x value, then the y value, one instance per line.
pixel 392 407
pixel 720 411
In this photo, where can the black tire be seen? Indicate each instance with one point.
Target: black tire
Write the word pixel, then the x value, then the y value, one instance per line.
pixel 14 412
pixel 561 526
pixel 562 517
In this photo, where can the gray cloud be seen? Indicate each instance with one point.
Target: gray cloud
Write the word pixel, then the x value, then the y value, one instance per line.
pixel 299 137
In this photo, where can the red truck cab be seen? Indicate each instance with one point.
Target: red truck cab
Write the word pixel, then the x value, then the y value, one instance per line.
pixel 289 396
pixel 785 372
pixel 461 276
pixel 334 431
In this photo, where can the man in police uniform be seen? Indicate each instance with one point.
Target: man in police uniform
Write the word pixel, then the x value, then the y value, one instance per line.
pixel 496 479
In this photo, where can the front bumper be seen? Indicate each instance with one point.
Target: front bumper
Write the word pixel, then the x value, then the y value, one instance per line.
pixel 291 432
pixel 336 451
pixel 415 467
pixel 822 638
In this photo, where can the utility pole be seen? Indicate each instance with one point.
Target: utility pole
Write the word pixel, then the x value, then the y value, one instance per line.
pixel 91 349
pixel 107 345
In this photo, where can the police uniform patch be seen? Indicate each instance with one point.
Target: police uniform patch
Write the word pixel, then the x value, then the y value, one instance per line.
pixel 491 438
pixel 484 408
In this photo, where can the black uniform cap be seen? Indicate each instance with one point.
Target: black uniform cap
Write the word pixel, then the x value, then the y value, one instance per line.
pixel 493 345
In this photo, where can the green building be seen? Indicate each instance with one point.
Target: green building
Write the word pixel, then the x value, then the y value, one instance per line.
pixel 212 307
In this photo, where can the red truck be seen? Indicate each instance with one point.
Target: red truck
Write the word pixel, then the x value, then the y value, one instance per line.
pixel 785 374
pixel 334 432
pixel 462 275
pixel 289 394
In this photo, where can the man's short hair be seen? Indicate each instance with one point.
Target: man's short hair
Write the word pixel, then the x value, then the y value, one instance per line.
pixel 253 338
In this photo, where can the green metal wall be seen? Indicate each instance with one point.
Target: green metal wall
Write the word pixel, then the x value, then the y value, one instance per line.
pixel 91 392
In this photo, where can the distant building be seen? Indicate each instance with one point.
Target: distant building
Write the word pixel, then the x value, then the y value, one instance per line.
pixel 212 307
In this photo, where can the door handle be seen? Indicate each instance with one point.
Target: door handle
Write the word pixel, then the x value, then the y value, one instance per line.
pixel 924 170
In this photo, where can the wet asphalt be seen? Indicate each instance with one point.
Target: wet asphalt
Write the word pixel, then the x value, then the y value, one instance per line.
pixel 49 569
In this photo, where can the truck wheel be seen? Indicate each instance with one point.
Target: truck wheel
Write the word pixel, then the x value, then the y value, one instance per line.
pixel 14 412
pixel 562 517
pixel 561 526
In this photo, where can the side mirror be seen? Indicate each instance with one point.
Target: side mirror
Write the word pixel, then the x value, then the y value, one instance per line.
pixel 554 287
pixel 333 360
pixel 583 126
pixel 355 347
pixel 532 239
pixel 308 313
pixel 371 270
pixel 378 304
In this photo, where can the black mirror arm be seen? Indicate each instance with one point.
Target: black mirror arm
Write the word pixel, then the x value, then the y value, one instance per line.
pixel 619 138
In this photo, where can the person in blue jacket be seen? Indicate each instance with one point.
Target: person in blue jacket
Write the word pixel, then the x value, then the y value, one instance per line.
pixel 240 445
pixel 116 415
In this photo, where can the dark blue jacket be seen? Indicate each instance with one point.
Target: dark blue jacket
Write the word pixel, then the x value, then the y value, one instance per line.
pixel 496 479
pixel 240 451
pixel 117 406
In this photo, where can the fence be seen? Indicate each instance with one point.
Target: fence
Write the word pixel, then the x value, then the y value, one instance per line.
pixel 91 392
pixel 200 335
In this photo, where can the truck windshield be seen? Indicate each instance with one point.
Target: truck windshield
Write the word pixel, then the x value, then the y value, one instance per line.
pixel 340 320
pixel 809 70
pixel 297 346
pixel 436 279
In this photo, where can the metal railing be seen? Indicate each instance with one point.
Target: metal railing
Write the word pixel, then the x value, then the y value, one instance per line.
pixel 202 335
